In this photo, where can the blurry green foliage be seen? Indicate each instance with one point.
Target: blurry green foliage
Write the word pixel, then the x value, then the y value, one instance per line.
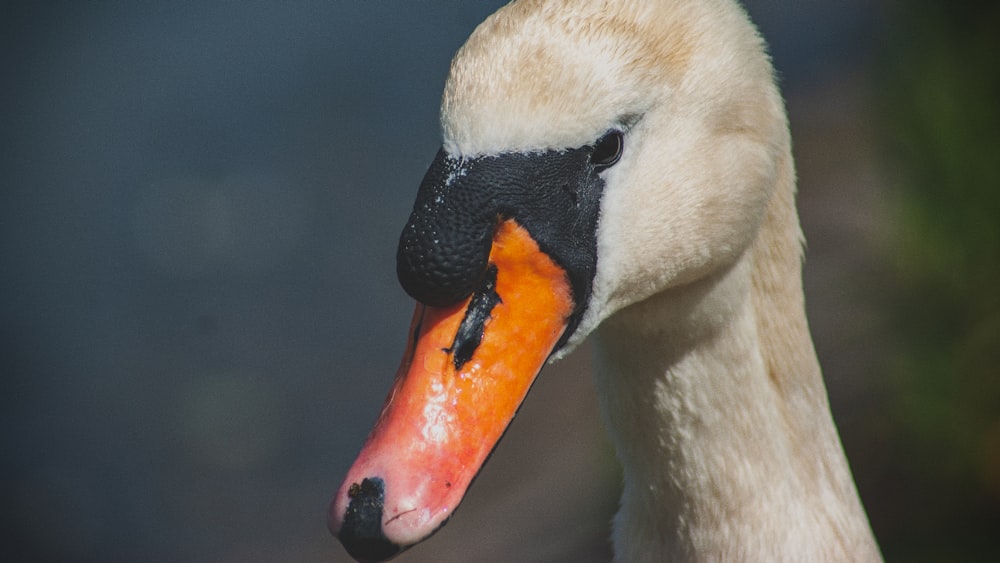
pixel 940 97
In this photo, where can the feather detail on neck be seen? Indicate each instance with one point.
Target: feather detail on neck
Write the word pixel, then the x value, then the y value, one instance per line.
pixel 714 396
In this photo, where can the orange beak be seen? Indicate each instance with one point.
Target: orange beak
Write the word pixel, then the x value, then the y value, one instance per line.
pixel 460 384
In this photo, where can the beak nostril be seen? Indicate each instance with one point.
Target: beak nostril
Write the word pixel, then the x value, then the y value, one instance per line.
pixel 479 310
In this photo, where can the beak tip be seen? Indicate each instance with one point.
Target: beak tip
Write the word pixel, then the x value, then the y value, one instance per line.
pixel 359 528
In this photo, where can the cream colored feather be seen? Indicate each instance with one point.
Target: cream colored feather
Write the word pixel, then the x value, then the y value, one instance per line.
pixel 706 370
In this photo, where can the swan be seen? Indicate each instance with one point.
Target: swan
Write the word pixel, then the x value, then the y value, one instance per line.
pixel 618 170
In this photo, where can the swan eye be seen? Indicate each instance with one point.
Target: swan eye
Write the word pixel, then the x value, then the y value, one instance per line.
pixel 607 150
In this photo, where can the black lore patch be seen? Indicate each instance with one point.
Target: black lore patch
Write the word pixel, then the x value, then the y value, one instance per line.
pixel 555 195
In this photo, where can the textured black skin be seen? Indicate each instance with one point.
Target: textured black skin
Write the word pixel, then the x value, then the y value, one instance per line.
pixel 555 195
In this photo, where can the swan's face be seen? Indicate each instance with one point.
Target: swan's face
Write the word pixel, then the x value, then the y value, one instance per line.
pixel 690 89
pixel 594 154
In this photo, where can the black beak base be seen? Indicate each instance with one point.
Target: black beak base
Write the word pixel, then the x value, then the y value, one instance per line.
pixel 444 248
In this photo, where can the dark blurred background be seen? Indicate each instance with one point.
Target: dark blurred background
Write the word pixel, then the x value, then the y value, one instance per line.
pixel 199 316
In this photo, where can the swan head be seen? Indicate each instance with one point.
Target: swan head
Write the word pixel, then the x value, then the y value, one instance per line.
pixel 594 154
pixel 689 86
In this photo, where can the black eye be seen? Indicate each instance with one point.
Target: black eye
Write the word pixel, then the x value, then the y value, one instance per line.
pixel 607 150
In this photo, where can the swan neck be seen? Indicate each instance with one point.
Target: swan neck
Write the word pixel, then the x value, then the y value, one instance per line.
pixel 715 400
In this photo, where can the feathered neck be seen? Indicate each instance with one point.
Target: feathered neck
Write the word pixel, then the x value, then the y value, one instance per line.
pixel 714 397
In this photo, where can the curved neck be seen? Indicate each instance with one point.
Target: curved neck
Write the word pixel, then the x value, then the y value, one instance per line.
pixel 714 396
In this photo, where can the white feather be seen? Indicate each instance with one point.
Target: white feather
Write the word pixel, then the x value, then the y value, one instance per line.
pixel 708 379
